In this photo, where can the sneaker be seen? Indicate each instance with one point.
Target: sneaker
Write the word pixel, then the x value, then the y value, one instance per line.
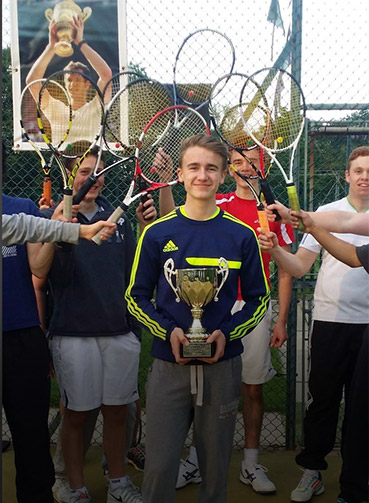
pixel 136 457
pixel 256 476
pixel 61 490
pixel 310 484
pixel 126 494
pixel 79 497
pixel 188 473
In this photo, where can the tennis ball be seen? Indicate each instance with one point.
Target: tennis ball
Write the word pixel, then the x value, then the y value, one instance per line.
pixel 191 94
pixel 280 139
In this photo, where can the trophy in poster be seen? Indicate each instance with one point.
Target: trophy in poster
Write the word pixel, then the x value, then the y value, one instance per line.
pixel 197 287
pixel 63 14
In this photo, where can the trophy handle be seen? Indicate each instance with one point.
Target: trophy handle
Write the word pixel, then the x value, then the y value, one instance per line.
pixel 49 14
pixel 169 271
pixel 223 269
pixel 86 13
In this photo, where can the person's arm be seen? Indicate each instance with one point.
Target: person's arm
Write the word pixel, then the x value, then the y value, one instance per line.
pixel 284 297
pixel 297 264
pixel 146 213
pixel 19 228
pixel 345 252
pixel 163 164
pixel 39 286
pixel 335 221
pixel 100 66
pixel 39 67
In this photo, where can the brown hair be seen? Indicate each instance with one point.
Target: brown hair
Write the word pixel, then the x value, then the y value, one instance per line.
pixel 71 161
pixel 357 152
pixel 207 142
pixel 76 66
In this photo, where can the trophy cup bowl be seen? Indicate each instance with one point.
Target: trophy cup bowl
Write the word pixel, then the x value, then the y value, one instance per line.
pixel 196 287
pixel 63 14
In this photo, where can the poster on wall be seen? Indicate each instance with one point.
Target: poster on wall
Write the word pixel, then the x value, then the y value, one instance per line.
pixel 47 35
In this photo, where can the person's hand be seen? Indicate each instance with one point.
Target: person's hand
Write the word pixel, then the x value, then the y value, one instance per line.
pixel 78 26
pixel 58 213
pixel 163 166
pixel 308 222
pixel 89 231
pixel 284 212
pixel 178 339
pixel 267 241
pixel 146 212
pixel 53 38
pixel 279 335
pixel 220 342
pixel 43 205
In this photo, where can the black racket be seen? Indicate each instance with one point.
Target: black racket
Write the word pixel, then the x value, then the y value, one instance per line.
pixel 202 58
pixel 85 116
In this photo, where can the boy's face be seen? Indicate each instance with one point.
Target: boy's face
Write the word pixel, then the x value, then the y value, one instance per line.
pixel 243 166
pixel 358 178
pixel 201 172
pixel 84 171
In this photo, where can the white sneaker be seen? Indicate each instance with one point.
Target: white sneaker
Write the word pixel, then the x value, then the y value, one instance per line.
pixel 61 490
pixel 79 497
pixel 256 476
pixel 126 494
pixel 310 484
pixel 188 473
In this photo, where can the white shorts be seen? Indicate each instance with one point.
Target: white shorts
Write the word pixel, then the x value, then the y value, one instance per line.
pixel 257 365
pixel 92 371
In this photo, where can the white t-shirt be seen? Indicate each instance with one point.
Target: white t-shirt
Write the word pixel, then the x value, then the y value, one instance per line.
pixel 341 292
pixel 85 121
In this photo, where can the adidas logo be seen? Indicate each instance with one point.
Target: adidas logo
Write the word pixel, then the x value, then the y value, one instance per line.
pixel 170 246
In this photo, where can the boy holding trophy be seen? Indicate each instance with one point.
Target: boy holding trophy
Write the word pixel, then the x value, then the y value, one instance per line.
pixel 194 257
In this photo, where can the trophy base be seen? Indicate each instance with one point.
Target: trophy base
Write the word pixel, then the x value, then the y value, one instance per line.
pixel 198 349
pixel 63 49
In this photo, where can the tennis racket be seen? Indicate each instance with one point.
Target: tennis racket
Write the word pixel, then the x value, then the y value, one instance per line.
pixel 117 82
pixel 202 58
pixel 31 132
pixel 287 108
pixel 84 117
pixel 225 117
pixel 125 118
pixel 163 134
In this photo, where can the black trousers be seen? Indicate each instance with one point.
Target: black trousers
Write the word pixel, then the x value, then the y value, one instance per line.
pixel 355 455
pixel 26 397
pixel 335 348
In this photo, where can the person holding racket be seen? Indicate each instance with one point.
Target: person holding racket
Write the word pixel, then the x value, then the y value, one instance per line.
pixel 257 367
pixel 95 357
pixel 196 233
pixel 341 318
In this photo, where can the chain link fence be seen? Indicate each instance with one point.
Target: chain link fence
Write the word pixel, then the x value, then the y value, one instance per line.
pixel 325 45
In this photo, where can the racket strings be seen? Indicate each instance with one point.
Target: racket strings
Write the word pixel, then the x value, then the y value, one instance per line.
pixel 202 57
pixel 158 152
pixel 28 113
pixel 130 111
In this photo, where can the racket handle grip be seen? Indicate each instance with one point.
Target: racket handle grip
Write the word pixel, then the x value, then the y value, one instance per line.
pixel 84 189
pixel 269 196
pixel 46 191
pixel 294 202
pixel 144 198
pixel 263 219
pixel 67 206
pixel 114 217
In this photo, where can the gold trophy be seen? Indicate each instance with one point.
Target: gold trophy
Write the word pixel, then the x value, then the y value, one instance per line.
pixel 196 287
pixel 63 14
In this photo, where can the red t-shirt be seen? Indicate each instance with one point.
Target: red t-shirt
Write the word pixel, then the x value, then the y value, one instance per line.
pixel 245 210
